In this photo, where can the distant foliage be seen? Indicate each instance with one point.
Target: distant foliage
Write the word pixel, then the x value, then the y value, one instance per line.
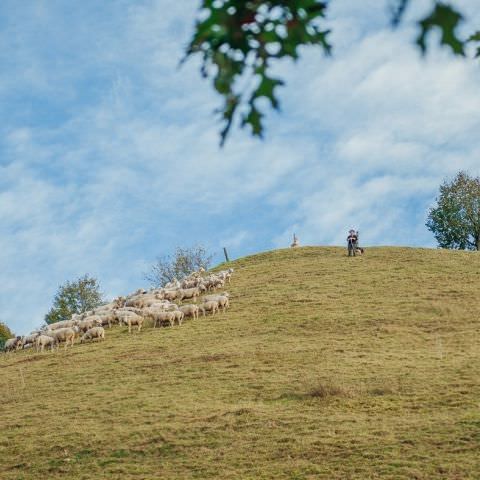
pixel 455 220
pixel 183 262
pixel 5 334
pixel 239 42
pixel 75 297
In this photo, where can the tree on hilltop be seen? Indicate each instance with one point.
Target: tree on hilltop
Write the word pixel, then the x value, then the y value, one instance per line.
pixel 75 297
pixel 455 220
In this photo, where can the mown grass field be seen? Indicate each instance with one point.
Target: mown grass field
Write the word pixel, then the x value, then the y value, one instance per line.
pixel 324 367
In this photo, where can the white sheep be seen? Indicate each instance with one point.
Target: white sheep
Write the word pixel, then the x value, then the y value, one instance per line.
pixel 179 316
pixel 170 294
pixel 131 319
pixel 160 316
pixel 190 283
pixel 105 308
pixel 43 341
pixel 29 338
pixel 223 300
pixel 188 293
pixel 210 306
pixel 103 319
pixel 93 333
pixel 173 284
pixel 190 310
pixel 66 335
pixel 12 344
pixel 88 323
pixel 63 324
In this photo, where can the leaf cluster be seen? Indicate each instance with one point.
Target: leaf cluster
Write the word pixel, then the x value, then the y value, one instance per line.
pixel 75 297
pixel 240 40
pixel 455 220
pixel 177 266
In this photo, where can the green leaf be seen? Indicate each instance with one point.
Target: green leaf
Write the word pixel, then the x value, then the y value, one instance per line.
pixel 254 119
pixel 475 38
pixel 445 18
pixel 267 89
pixel 231 103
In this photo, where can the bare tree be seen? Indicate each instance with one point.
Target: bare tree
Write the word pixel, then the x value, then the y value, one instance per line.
pixel 183 262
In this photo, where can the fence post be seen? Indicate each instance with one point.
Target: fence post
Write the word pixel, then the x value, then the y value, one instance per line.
pixel 226 254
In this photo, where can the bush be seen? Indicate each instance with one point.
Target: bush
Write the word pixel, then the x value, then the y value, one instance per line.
pixel 5 334
pixel 183 262
pixel 75 297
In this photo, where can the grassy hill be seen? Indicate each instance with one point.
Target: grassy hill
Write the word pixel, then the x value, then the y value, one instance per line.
pixel 324 367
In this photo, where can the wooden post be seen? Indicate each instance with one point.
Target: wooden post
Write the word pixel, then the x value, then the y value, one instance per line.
pixel 226 254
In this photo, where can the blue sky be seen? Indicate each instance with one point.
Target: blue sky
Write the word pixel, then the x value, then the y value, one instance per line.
pixel 109 153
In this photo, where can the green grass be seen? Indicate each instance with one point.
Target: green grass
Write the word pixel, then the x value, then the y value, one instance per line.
pixel 324 367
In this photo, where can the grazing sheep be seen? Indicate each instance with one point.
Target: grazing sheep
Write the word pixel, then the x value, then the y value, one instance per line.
pixel 88 323
pixel 105 308
pixel 188 293
pixel 225 275
pixel 170 294
pixel 222 299
pixel 190 311
pixel 131 319
pixel 150 300
pixel 78 317
pixel 173 284
pixel 119 302
pixel 120 311
pixel 103 319
pixel 62 324
pixel 29 339
pixel 136 301
pixel 140 291
pixel 43 341
pixel 179 316
pixel 12 344
pixel 66 335
pixel 160 316
pixel 223 302
pixel 190 283
pixel 215 296
pixel 213 281
pixel 93 333
pixel 210 306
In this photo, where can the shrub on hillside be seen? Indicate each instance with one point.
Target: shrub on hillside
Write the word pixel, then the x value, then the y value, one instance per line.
pixel 75 297
pixel 183 262
pixel 5 333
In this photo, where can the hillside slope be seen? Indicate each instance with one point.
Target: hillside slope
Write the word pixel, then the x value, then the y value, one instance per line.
pixel 324 367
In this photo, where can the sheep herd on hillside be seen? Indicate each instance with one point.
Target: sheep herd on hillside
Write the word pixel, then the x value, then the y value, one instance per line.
pixel 161 306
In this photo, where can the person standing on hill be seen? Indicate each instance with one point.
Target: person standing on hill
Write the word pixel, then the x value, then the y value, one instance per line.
pixel 352 242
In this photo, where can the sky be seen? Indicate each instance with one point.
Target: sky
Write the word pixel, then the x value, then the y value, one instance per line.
pixel 109 153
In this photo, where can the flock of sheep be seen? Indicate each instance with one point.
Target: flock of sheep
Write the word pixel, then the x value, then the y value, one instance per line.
pixel 162 306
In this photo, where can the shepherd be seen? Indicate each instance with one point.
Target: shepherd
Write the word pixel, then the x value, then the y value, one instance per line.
pixel 352 242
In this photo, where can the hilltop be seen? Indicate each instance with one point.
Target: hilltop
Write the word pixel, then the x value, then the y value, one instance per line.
pixel 324 367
